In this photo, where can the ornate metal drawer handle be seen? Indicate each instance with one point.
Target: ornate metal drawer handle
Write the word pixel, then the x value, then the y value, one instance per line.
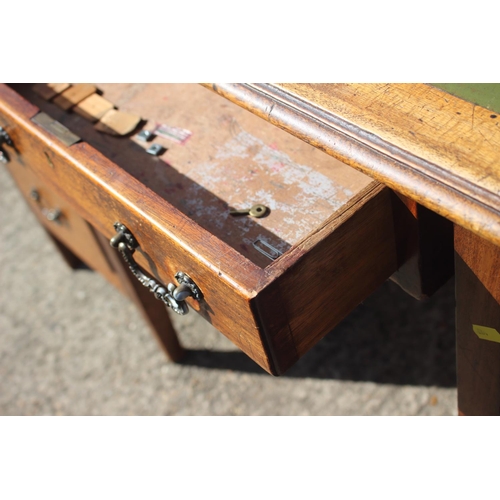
pixel 173 296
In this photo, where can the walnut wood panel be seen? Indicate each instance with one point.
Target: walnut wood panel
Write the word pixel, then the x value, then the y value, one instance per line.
pixel 477 264
pixel 432 147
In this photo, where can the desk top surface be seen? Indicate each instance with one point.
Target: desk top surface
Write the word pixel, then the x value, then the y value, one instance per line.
pixel 432 146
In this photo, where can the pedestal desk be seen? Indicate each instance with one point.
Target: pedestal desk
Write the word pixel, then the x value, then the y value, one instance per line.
pixel 357 184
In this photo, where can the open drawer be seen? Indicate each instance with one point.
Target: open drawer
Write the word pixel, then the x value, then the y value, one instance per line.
pixel 273 285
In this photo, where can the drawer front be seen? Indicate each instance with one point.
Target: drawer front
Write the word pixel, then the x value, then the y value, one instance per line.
pixel 62 221
pixel 274 314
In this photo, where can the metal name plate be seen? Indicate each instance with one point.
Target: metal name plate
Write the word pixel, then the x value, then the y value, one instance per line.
pixel 55 128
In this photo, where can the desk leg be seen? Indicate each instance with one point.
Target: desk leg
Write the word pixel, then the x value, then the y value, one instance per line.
pixel 154 312
pixel 477 270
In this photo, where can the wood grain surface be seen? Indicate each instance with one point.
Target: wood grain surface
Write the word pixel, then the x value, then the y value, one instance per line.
pixel 477 265
pixel 103 193
pixel 70 230
pixel 432 147
pixel 275 310
pixel 424 245
pixel 94 107
pixel 349 259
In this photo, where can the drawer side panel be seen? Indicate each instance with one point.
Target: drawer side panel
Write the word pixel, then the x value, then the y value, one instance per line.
pixel 332 278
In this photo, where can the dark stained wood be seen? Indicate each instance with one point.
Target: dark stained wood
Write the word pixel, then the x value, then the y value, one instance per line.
pixel 477 265
pixel 428 145
pixel 153 311
pixel 424 242
pixel 49 90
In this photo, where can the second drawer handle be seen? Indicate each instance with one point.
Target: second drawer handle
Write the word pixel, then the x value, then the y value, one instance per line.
pixel 173 296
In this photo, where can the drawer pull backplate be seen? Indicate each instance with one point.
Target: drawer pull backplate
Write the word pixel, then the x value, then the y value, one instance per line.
pixel 173 296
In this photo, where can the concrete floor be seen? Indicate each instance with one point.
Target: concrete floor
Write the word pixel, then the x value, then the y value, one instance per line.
pixel 70 344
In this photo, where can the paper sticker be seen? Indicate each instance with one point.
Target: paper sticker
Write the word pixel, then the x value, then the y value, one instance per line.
pixel 485 333
pixel 175 134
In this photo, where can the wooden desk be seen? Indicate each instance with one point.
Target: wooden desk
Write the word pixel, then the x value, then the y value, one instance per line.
pixel 437 149
pixel 277 311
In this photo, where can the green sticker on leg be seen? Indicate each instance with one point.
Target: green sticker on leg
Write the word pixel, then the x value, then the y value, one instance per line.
pixel 486 333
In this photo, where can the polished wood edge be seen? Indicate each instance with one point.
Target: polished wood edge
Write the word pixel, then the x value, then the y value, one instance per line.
pixel 259 306
pixel 434 187
pixel 270 314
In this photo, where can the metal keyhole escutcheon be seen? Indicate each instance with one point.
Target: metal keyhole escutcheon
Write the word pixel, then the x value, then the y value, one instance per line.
pixel 173 296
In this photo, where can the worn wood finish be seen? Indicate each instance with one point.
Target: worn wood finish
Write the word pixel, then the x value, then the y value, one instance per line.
pixel 77 242
pixel 356 239
pixel 478 303
pixel 434 148
pixel 350 258
pixel 233 159
pixel 71 233
pixel 103 193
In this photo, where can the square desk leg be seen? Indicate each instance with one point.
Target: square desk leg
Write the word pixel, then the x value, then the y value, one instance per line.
pixel 477 271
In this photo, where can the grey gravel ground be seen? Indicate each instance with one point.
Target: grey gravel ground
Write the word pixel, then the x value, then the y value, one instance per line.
pixel 70 344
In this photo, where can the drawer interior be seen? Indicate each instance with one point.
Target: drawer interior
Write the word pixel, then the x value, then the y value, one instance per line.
pixel 231 159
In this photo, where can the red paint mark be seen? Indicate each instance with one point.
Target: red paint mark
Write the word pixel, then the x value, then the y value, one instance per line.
pixel 273 145
pixel 277 167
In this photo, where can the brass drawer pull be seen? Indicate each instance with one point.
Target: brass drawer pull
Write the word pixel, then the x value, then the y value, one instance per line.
pixel 173 296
